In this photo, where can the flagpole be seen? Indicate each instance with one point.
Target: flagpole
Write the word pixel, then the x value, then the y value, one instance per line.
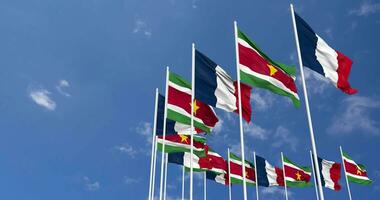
pixel 345 173
pixel 204 186
pixel 153 144
pixel 192 118
pixel 256 180
pixel 229 175
pixel 166 174
pixel 164 133
pixel 183 182
pixel 240 113
pixel 283 171
pixel 315 180
pixel 154 166
pixel 314 148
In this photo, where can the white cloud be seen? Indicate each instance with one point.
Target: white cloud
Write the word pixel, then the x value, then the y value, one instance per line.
pixel 274 191
pixel 315 83
pixel 356 115
pixel 129 180
pixel 329 33
pixel 218 127
pixel 256 131
pixel 142 27
pixel 41 97
pixel 62 84
pixel 283 137
pixel 366 8
pixel 91 185
pixel 262 100
pixel 126 149
pixel 145 129
pixel 194 4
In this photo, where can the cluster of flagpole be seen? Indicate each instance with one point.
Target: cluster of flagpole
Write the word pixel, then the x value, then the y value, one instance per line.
pixel 164 156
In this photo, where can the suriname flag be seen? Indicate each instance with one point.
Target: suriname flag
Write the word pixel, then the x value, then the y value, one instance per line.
pixel 356 173
pixel 295 175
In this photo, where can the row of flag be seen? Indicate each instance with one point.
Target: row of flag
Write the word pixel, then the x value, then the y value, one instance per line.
pixel 185 116
pixel 259 171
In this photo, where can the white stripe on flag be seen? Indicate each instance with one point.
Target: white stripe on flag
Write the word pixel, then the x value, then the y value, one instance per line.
pixel 328 58
pixel 326 166
pixel 224 93
pixel 271 174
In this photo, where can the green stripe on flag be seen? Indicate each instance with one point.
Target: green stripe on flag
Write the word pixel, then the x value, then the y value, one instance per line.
pixel 171 148
pixel 306 169
pixel 287 69
pixel 359 181
pixel 298 184
pixel 254 81
pixel 240 181
pixel 175 78
pixel 173 115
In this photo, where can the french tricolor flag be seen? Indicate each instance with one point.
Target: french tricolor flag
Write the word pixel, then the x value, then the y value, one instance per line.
pixel 268 175
pixel 216 88
pixel 330 172
pixel 319 56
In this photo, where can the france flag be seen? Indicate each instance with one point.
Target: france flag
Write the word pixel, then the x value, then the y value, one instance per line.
pixel 319 56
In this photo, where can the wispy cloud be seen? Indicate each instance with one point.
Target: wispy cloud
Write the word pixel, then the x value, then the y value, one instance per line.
pixel 262 100
pixel 316 83
pixel 91 185
pixel 256 131
pixel 194 4
pixel 126 149
pixel 142 27
pixel 145 129
pixel 283 136
pixel 366 8
pixel 355 114
pixel 62 85
pixel 42 98
pixel 218 127
pixel 130 180
pixel 275 191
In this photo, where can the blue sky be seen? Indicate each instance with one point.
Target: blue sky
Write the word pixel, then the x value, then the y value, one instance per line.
pixel 77 88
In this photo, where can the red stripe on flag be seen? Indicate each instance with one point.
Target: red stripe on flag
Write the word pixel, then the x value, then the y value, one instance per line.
pixel 179 140
pixel 335 175
pixel 292 173
pixel 258 64
pixel 344 68
pixel 245 100
pixel 237 170
pixel 280 176
pixel 353 169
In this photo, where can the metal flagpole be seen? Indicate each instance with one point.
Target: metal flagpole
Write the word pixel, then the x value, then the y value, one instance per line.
pixel 183 182
pixel 315 180
pixel 153 146
pixel 314 148
pixel 283 171
pixel 164 133
pixel 229 175
pixel 345 173
pixel 204 186
pixel 154 166
pixel 192 118
pixel 256 180
pixel 240 112
pixel 166 174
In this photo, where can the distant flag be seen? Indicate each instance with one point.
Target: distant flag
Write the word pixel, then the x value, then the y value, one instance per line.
pixel 258 70
pixel 330 172
pixel 356 173
pixel 236 171
pixel 182 143
pixel 219 178
pixel 184 159
pixel 215 87
pixel 268 175
pixel 321 58
pixel 179 105
pixel 215 162
pixel 295 175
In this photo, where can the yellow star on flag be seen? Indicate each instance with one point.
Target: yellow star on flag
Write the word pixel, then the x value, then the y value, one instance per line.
pixel 184 138
pixel 358 172
pixel 272 69
pixel 246 175
pixel 298 176
pixel 195 107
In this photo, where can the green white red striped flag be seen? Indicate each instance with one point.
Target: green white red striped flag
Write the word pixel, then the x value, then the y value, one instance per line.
pixel 182 143
pixel 295 175
pixel 236 171
pixel 179 105
pixel 258 70
pixel 356 173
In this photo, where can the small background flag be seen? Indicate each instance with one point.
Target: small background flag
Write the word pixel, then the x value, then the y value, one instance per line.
pixel 330 172
pixel 356 173
pixel 182 143
pixel 267 175
pixel 237 171
pixel 295 175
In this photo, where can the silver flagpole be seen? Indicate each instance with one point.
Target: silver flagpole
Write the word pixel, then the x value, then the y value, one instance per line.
pixel 345 173
pixel 183 182
pixel 153 145
pixel 164 134
pixel 240 112
pixel 229 175
pixel 192 118
pixel 154 166
pixel 283 171
pixel 166 174
pixel 256 180
pixel 315 180
pixel 314 148
pixel 204 186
